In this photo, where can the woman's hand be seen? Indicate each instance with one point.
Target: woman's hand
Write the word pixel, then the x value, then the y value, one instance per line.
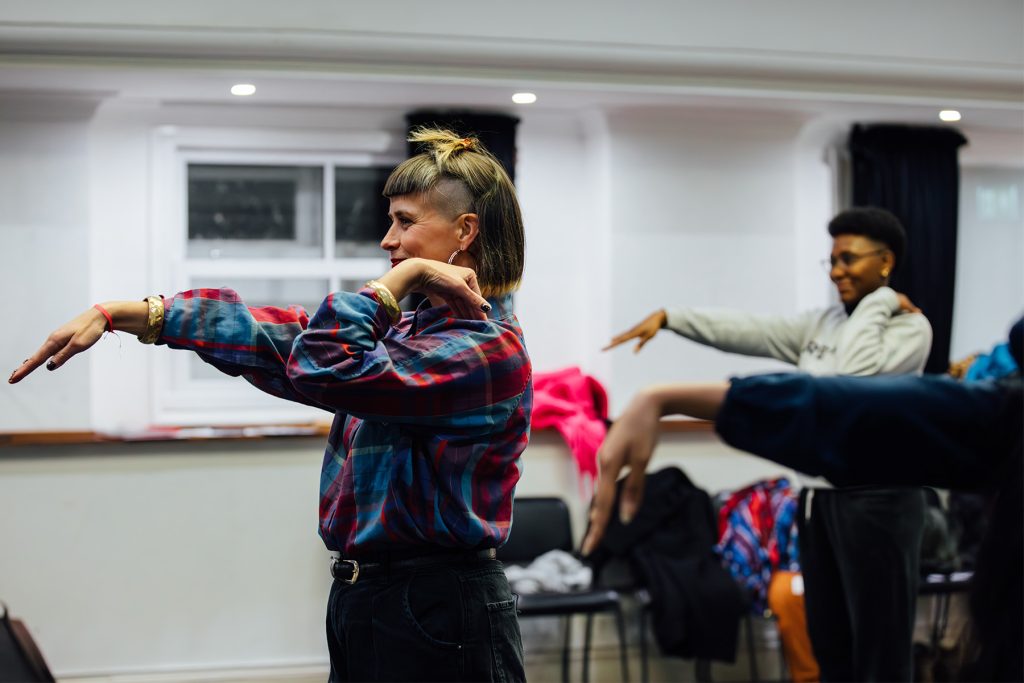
pixel 630 443
pixel 644 331
pixel 455 285
pixel 66 341
pixel 906 305
pixel 81 333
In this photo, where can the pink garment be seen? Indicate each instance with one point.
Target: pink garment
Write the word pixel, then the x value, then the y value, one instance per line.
pixel 577 406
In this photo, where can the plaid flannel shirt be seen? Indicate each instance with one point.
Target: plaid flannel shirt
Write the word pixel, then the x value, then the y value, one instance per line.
pixel 430 415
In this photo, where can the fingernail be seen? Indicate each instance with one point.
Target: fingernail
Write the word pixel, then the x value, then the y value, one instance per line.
pixel 51 365
pixel 626 513
pixel 485 307
pixel 10 380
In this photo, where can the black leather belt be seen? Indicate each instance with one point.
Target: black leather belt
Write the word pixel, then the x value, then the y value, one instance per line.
pixel 350 571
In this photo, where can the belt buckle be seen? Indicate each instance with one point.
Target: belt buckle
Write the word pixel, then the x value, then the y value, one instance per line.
pixel 355 570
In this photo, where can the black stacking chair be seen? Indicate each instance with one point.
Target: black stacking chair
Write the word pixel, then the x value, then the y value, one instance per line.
pixel 538 526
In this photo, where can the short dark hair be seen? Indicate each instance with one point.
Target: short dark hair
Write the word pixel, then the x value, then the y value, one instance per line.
pixel 873 223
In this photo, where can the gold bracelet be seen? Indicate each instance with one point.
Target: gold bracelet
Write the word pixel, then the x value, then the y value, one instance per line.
pixel 155 321
pixel 386 299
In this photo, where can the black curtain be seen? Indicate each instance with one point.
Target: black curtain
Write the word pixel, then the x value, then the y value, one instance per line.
pixel 496 131
pixel 913 171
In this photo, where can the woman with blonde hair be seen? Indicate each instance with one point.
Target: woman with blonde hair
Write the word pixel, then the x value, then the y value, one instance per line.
pixel 431 413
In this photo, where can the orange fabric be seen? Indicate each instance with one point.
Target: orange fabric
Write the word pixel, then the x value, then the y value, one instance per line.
pixel 792 619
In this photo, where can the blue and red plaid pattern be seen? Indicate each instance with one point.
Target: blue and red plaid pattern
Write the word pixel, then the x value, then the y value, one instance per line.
pixel 430 416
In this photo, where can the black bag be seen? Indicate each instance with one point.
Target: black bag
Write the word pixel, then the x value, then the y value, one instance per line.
pixel 20 659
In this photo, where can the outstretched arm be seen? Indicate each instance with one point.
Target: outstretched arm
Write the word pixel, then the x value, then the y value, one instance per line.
pixel 630 443
pixel 854 430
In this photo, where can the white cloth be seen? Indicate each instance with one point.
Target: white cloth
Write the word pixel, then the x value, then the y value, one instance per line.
pixel 556 571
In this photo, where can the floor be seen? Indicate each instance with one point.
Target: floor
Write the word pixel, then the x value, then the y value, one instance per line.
pixel 542 641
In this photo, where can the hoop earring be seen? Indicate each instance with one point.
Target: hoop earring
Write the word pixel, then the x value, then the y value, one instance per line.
pixel 451 259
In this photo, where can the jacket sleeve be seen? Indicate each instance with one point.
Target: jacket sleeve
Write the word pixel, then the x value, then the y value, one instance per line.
pixel 876 430
pixel 879 339
pixel 241 341
pixel 466 375
pixel 776 337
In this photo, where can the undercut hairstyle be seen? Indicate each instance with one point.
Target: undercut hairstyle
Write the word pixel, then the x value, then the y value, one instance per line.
pixel 459 176
pixel 873 223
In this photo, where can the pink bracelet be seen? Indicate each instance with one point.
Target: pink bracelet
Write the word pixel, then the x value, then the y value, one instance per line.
pixel 110 321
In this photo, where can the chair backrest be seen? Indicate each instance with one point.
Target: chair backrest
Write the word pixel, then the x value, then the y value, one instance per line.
pixel 538 525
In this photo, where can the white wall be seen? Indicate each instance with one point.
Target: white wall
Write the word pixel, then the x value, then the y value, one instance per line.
pixel 703 214
pixel 990 250
pixel 44 233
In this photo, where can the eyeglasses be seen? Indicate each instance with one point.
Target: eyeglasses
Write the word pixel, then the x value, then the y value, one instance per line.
pixel 847 259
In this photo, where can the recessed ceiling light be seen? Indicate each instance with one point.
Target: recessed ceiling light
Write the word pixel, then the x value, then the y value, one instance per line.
pixel 243 89
pixel 949 115
pixel 524 98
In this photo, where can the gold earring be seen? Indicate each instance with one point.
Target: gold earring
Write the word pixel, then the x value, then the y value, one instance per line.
pixel 885 273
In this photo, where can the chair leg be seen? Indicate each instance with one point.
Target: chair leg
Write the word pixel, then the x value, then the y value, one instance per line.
pixel 565 649
pixel 644 673
pixel 702 670
pixel 622 643
pixel 586 647
pixel 751 650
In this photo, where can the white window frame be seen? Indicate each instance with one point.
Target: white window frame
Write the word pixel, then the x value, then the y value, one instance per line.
pixel 178 399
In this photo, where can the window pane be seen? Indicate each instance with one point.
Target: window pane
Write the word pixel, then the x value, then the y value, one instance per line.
pixel 264 292
pixel 360 210
pixel 255 211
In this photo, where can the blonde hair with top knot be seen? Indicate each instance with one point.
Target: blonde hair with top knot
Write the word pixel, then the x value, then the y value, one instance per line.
pixel 460 176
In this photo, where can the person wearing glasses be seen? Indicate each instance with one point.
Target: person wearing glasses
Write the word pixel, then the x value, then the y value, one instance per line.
pixel 858 546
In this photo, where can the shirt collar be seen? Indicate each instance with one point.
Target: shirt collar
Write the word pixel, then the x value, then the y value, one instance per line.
pixel 501 309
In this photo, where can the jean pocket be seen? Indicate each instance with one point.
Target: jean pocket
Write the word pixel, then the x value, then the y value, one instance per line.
pixel 506 642
pixel 432 603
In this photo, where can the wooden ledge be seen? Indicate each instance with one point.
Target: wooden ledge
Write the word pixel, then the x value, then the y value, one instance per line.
pixel 164 435
pixel 239 433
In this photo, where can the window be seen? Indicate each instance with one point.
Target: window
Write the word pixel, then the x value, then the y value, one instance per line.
pixel 281 228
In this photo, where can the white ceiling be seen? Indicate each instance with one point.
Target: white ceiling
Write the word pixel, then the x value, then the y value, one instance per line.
pixel 872 60
pixel 175 83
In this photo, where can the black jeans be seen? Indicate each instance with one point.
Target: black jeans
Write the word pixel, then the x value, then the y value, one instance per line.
pixel 434 623
pixel 860 553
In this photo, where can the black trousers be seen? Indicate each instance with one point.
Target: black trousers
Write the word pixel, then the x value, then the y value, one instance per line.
pixel 860 553
pixel 434 623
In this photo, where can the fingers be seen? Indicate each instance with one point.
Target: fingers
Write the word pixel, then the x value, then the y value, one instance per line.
pixel 600 510
pixel 63 343
pixel 645 330
pixel 52 345
pixel 464 298
pixel 644 338
pixel 632 494
pixel 610 458
pixel 622 338
pixel 75 346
